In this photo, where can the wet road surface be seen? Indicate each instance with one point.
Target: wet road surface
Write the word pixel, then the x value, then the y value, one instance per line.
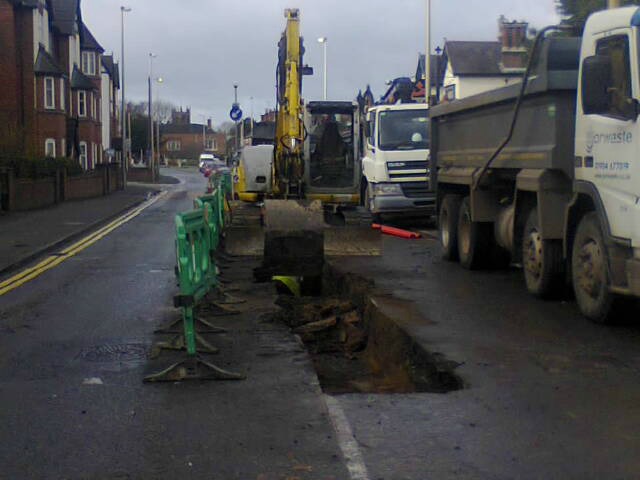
pixel 73 351
pixel 548 394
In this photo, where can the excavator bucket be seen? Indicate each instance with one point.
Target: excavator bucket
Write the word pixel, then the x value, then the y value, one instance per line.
pixel 295 236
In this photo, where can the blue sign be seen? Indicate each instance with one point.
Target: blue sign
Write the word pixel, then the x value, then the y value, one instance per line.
pixel 235 113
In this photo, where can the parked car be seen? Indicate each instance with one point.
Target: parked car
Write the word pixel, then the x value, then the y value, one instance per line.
pixel 209 163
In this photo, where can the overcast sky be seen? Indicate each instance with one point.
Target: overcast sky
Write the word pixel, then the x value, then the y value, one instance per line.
pixel 204 46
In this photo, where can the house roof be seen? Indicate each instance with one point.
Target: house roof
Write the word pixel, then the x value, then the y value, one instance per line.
pixel 46 64
pixel 80 81
pixel 65 13
pixel 112 69
pixel 475 58
pixel 88 41
pixel 433 65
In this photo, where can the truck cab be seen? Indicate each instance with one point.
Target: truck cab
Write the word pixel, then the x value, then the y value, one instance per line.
pixel 396 172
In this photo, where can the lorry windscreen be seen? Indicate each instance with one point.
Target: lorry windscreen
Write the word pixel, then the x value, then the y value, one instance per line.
pixel 403 130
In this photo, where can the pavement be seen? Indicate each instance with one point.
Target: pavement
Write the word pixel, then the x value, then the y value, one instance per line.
pixel 27 235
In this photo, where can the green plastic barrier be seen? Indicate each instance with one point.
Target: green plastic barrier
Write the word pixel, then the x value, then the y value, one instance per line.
pixel 196 272
pixel 214 220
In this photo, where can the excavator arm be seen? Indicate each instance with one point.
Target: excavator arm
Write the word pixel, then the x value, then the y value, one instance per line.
pixel 288 165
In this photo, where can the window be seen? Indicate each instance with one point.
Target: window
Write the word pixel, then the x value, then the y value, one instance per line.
pixel 403 130
pixel 49 93
pixel 89 63
pixel 93 105
pixel 211 144
pixel 617 49
pixel 63 105
pixel 50 148
pixel 63 147
pixel 94 153
pixel 82 103
pixel 83 155
pixel 174 145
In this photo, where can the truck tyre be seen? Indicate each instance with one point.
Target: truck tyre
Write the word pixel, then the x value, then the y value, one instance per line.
pixel 474 238
pixel 541 260
pixel 590 271
pixel 448 226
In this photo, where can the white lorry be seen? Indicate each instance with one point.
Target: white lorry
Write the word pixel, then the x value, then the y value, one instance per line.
pixel 548 171
pixel 395 163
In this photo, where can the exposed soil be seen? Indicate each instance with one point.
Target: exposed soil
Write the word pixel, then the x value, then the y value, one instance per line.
pixel 356 348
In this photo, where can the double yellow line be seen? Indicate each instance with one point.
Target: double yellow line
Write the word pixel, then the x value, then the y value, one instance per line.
pixel 57 258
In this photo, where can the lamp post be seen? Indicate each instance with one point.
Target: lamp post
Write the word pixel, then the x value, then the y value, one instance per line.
pixel 427 53
pixel 151 143
pixel 235 102
pixel 159 80
pixel 123 119
pixel 323 41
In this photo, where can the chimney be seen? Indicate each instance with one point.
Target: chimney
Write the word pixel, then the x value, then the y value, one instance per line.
pixel 209 124
pixel 513 36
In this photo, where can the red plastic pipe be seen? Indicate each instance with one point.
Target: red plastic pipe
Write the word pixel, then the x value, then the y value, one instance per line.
pixel 398 232
pixel 376 226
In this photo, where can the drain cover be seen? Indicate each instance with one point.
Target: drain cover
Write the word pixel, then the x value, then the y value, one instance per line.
pixel 115 352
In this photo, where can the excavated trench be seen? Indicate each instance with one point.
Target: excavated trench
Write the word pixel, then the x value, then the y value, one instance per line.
pixel 358 348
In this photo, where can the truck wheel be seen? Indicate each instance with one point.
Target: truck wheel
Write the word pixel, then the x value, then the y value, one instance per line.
pixel 590 271
pixel 541 260
pixel 474 238
pixel 448 226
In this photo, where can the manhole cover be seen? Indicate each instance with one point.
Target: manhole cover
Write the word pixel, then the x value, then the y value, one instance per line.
pixel 115 353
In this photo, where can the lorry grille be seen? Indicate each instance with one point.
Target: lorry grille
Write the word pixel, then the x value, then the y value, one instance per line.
pixel 415 189
pixel 413 169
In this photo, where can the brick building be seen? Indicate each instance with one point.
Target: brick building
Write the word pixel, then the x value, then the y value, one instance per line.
pixel 51 72
pixel 181 139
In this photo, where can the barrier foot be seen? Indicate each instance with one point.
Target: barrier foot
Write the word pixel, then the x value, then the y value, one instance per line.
pixel 193 368
pixel 224 298
pixel 216 310
pixel 178 343
pixel 201 326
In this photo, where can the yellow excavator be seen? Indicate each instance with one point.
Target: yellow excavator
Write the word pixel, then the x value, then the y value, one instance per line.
pixel 315 175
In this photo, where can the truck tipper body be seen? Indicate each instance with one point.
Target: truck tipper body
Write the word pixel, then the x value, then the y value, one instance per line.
pixel 395 161
pixel 546 174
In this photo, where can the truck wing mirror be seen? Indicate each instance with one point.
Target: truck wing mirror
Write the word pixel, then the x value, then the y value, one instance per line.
pixel 596 81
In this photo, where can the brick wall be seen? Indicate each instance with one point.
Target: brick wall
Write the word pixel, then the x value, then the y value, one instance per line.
pixel 84 186
pixel 30 194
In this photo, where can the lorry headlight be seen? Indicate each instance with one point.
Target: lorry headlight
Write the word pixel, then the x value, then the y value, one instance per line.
pixel 387 189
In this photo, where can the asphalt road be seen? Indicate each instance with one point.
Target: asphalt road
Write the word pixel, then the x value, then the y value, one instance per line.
pixel 548 394
pixel 74 347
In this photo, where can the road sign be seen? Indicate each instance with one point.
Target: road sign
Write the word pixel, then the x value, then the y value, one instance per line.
pixel 235 113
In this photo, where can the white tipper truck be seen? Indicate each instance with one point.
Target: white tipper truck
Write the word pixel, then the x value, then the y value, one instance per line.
pixel 395 161
pixel 547 172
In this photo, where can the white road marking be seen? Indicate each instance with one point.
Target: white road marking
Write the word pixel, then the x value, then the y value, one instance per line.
pixel 346 440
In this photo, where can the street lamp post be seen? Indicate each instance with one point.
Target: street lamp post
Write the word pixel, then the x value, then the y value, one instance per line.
pixel 151 143
pixel 323 41
pixel 427 54
pixel 235 102
pixel 159 80
pixel 123 119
